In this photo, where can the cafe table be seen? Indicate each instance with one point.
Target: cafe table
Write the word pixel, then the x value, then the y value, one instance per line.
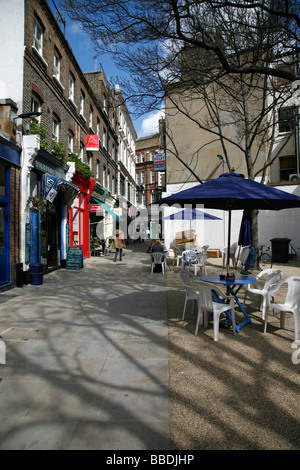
pixel 233 286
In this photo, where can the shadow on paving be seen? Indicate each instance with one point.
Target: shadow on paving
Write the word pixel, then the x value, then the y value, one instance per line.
pixel 87 359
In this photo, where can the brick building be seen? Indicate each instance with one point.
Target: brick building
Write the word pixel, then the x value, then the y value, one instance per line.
pixel 76 138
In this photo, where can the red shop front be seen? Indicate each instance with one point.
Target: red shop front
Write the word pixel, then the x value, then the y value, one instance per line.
pixel 78 214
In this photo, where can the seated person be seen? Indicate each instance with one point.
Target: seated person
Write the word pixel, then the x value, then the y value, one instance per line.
pixel 157 247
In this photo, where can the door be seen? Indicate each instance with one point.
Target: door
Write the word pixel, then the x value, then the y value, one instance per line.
pixel 4 249
pixel 34 244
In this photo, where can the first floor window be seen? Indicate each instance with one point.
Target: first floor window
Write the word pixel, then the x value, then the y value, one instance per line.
pixel 55 128
pixel 288 166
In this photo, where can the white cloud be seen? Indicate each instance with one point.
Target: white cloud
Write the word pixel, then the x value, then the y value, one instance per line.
pixel 150 123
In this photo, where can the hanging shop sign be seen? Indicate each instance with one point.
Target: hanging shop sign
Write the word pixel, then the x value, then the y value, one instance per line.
pixel 159 162
pixel 92 142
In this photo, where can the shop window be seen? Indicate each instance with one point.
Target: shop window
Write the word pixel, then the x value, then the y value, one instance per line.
pixel 2 181
pixel 288 166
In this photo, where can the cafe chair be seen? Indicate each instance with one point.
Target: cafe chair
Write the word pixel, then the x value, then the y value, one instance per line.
pixel 199 263
pixel 177 254
pixel 187 256
pixel 207 303
pixel 269 277
pixel 157 258
pixel 291 303
pixel 190 294
pixel 96 247
pixel 232 255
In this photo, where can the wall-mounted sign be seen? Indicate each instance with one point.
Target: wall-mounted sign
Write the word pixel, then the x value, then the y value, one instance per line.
pixel 96 208
pixel 159 161
pixel 92 142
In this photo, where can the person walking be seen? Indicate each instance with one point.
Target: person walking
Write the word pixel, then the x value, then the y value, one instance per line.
pixel 119 244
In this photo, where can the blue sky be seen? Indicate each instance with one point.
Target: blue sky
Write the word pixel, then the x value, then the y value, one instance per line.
pixel 83 50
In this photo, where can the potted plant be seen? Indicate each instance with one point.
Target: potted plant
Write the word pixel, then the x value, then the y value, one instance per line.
pixel 37 202
pixel 36 128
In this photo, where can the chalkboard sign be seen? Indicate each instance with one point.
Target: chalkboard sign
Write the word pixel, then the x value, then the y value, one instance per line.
pixel 74 257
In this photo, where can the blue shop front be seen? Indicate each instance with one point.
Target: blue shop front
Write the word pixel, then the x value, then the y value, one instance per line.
pixel 9 211
pixel 49 195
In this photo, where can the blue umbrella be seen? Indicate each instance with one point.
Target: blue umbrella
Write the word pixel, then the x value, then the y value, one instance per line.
pixel 191 214
pixel 245 230
pixel 232 191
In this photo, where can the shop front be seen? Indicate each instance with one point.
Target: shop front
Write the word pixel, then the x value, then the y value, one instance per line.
pixel 102 215
pixel 78 215
pixel 9 210
pixel 46 194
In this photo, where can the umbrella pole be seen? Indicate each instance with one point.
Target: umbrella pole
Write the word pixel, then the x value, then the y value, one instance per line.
pixel 228 242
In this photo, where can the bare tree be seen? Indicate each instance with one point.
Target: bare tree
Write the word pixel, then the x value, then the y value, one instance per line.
pixel 229 55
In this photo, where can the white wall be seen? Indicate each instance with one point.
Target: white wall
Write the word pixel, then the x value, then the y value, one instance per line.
pixel 12 50
pixel 272 224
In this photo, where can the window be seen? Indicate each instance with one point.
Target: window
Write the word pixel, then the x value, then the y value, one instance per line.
pixel 286 119
pixel 36 107
pixel 82 99
pixel 122 185
pixel 288 166
pixel 104 177
pixel 137 159
pixel 97 169
pixel 144 200
pixel 152 176
pixel 70 141
pixel 38 35
pixel 81 151
pixel 104 138
pixel 55 128
pixel 142 177
pixel 91 118
pixel 90 159
pixel 71 87
pixel 138 178
pixel 56 65
pixel 143 157
pixel 98 127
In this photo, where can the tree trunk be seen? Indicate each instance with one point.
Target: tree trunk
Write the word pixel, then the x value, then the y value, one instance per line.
pixel 254 234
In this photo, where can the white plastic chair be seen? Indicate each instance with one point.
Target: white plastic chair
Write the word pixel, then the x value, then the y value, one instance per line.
pixel 190 293
pixel 241 262
pixel 178 254
pixel 199 263
pixel 185 257
pixel 273 276
pixel 291 303
pixel 157 258
pixel 207 304
pixel 232 255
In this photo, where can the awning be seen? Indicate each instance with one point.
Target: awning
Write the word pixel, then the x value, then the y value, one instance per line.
pixel 52 184
pixel 105 207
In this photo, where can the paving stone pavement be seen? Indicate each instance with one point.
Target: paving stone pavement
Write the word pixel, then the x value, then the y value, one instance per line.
pixel 87 359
